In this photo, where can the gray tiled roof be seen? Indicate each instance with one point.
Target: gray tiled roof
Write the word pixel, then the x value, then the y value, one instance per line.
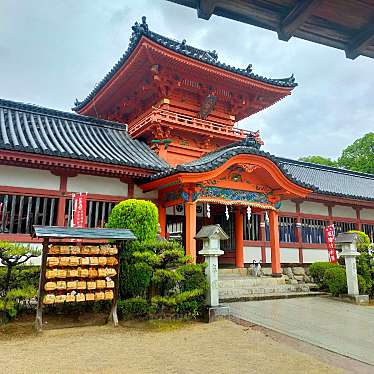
pixel 32 129
pixel 331 181
pixel 208 57
pixel 318 178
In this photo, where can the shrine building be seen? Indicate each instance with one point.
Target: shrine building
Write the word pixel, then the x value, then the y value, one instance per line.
pixel 163 125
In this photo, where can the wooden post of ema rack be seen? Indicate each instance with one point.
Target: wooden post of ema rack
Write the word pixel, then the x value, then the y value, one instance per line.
pixel 43 266
pixel 113 313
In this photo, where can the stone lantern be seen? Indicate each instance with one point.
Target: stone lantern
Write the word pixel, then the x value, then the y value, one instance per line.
pixel 347 242
pixel 211 236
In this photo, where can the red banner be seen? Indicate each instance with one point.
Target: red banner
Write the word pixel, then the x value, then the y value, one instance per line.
pixel 330 241
pixel 79 210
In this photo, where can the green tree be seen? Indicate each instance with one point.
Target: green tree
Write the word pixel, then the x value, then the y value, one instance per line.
pixel 359 156
pixel 319 160
pixel 13 255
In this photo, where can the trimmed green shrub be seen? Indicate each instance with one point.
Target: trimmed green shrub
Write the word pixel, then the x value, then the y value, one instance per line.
pixel 165 280
pixel 139 216
pixel 193 277
pixel 156 276
pixel 134 308
pixel 365 269
pixel 21 276
pixel 163 304
pixel 362 285
pixel 363 243
pixel 14 301
pixel 318 269
pixel 335 280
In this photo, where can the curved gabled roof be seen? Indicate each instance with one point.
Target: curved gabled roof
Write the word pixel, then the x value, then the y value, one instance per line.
pixel 208 57
pixel 32 129
pixel 318 178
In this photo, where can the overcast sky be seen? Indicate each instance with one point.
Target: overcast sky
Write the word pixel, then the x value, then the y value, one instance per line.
pixel 52 52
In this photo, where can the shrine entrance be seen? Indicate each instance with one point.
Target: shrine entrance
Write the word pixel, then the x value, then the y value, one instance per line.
pixel 241 193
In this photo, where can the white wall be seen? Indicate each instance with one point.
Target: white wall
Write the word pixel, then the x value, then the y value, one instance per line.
pixel 289 255
pixel 28 178
pixel 310 207
pixel 314 255
pixel 268 255
pixel 367 214
pixel 288 206
pixel 97 185
pixel 252 253
pixel 343 211
pixel 139 194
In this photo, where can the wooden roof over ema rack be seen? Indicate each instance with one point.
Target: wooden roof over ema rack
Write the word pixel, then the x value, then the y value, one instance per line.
pixel 342 24
pixel 82 233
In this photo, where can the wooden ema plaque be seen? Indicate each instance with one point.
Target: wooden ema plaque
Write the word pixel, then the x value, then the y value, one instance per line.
pixel 78 273
pixel 77 266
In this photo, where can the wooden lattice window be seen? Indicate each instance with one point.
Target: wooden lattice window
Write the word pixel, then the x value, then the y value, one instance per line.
pixel 287 229
pixel 369 230
pixel 312 230
pixel 18 213
pixel 344 227
pixel 97 212
pixel 252 228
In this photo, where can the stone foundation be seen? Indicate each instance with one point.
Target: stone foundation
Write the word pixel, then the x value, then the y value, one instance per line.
pixel 292 274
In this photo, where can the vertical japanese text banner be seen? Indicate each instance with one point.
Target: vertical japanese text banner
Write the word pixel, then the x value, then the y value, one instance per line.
pixel 79 210
pixel 330 241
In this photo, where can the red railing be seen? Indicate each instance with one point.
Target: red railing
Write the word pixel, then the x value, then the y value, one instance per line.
pixel 165 116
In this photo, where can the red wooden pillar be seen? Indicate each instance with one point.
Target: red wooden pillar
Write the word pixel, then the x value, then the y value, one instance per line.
pixel 162 220
pixel 239 248
pixel 190 212
pixel 358 222
pixel 274 243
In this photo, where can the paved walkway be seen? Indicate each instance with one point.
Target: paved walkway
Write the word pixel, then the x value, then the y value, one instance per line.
pixel 343 328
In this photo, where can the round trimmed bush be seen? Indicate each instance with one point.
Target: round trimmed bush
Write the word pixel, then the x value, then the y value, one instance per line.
pixel 139 216
pixel 363 242
pixel 318 269
pixel 335 280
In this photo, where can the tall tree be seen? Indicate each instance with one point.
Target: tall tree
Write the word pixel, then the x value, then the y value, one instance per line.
pixel 359 156
pixel 319 160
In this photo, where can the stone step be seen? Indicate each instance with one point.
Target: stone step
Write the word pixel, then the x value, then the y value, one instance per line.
pixel 239 272
pixel 271 296
pixel 246 291
pixel 228 281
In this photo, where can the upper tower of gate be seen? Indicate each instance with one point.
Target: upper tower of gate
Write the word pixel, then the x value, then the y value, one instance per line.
pixel 180 99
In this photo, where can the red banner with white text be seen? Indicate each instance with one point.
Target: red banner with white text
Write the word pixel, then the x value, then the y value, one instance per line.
pixel 79 210
pixel 330 241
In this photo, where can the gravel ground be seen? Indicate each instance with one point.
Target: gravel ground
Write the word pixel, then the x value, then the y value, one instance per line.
pixel 220 347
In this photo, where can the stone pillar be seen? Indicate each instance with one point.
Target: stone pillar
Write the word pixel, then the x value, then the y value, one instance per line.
pixel 211 236
pixel 190 212
pixel 274 243
pixel 239 248
pixel 349 252
pixel 162 220
pixel 347 241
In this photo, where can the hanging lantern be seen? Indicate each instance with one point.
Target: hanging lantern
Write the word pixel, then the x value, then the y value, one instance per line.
pixel 227 213
pixel 208 210
pixel 249 213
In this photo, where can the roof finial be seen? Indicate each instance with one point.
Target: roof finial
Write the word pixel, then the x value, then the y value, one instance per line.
pixel 248 69
pixel 253 139
pixel 144 25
